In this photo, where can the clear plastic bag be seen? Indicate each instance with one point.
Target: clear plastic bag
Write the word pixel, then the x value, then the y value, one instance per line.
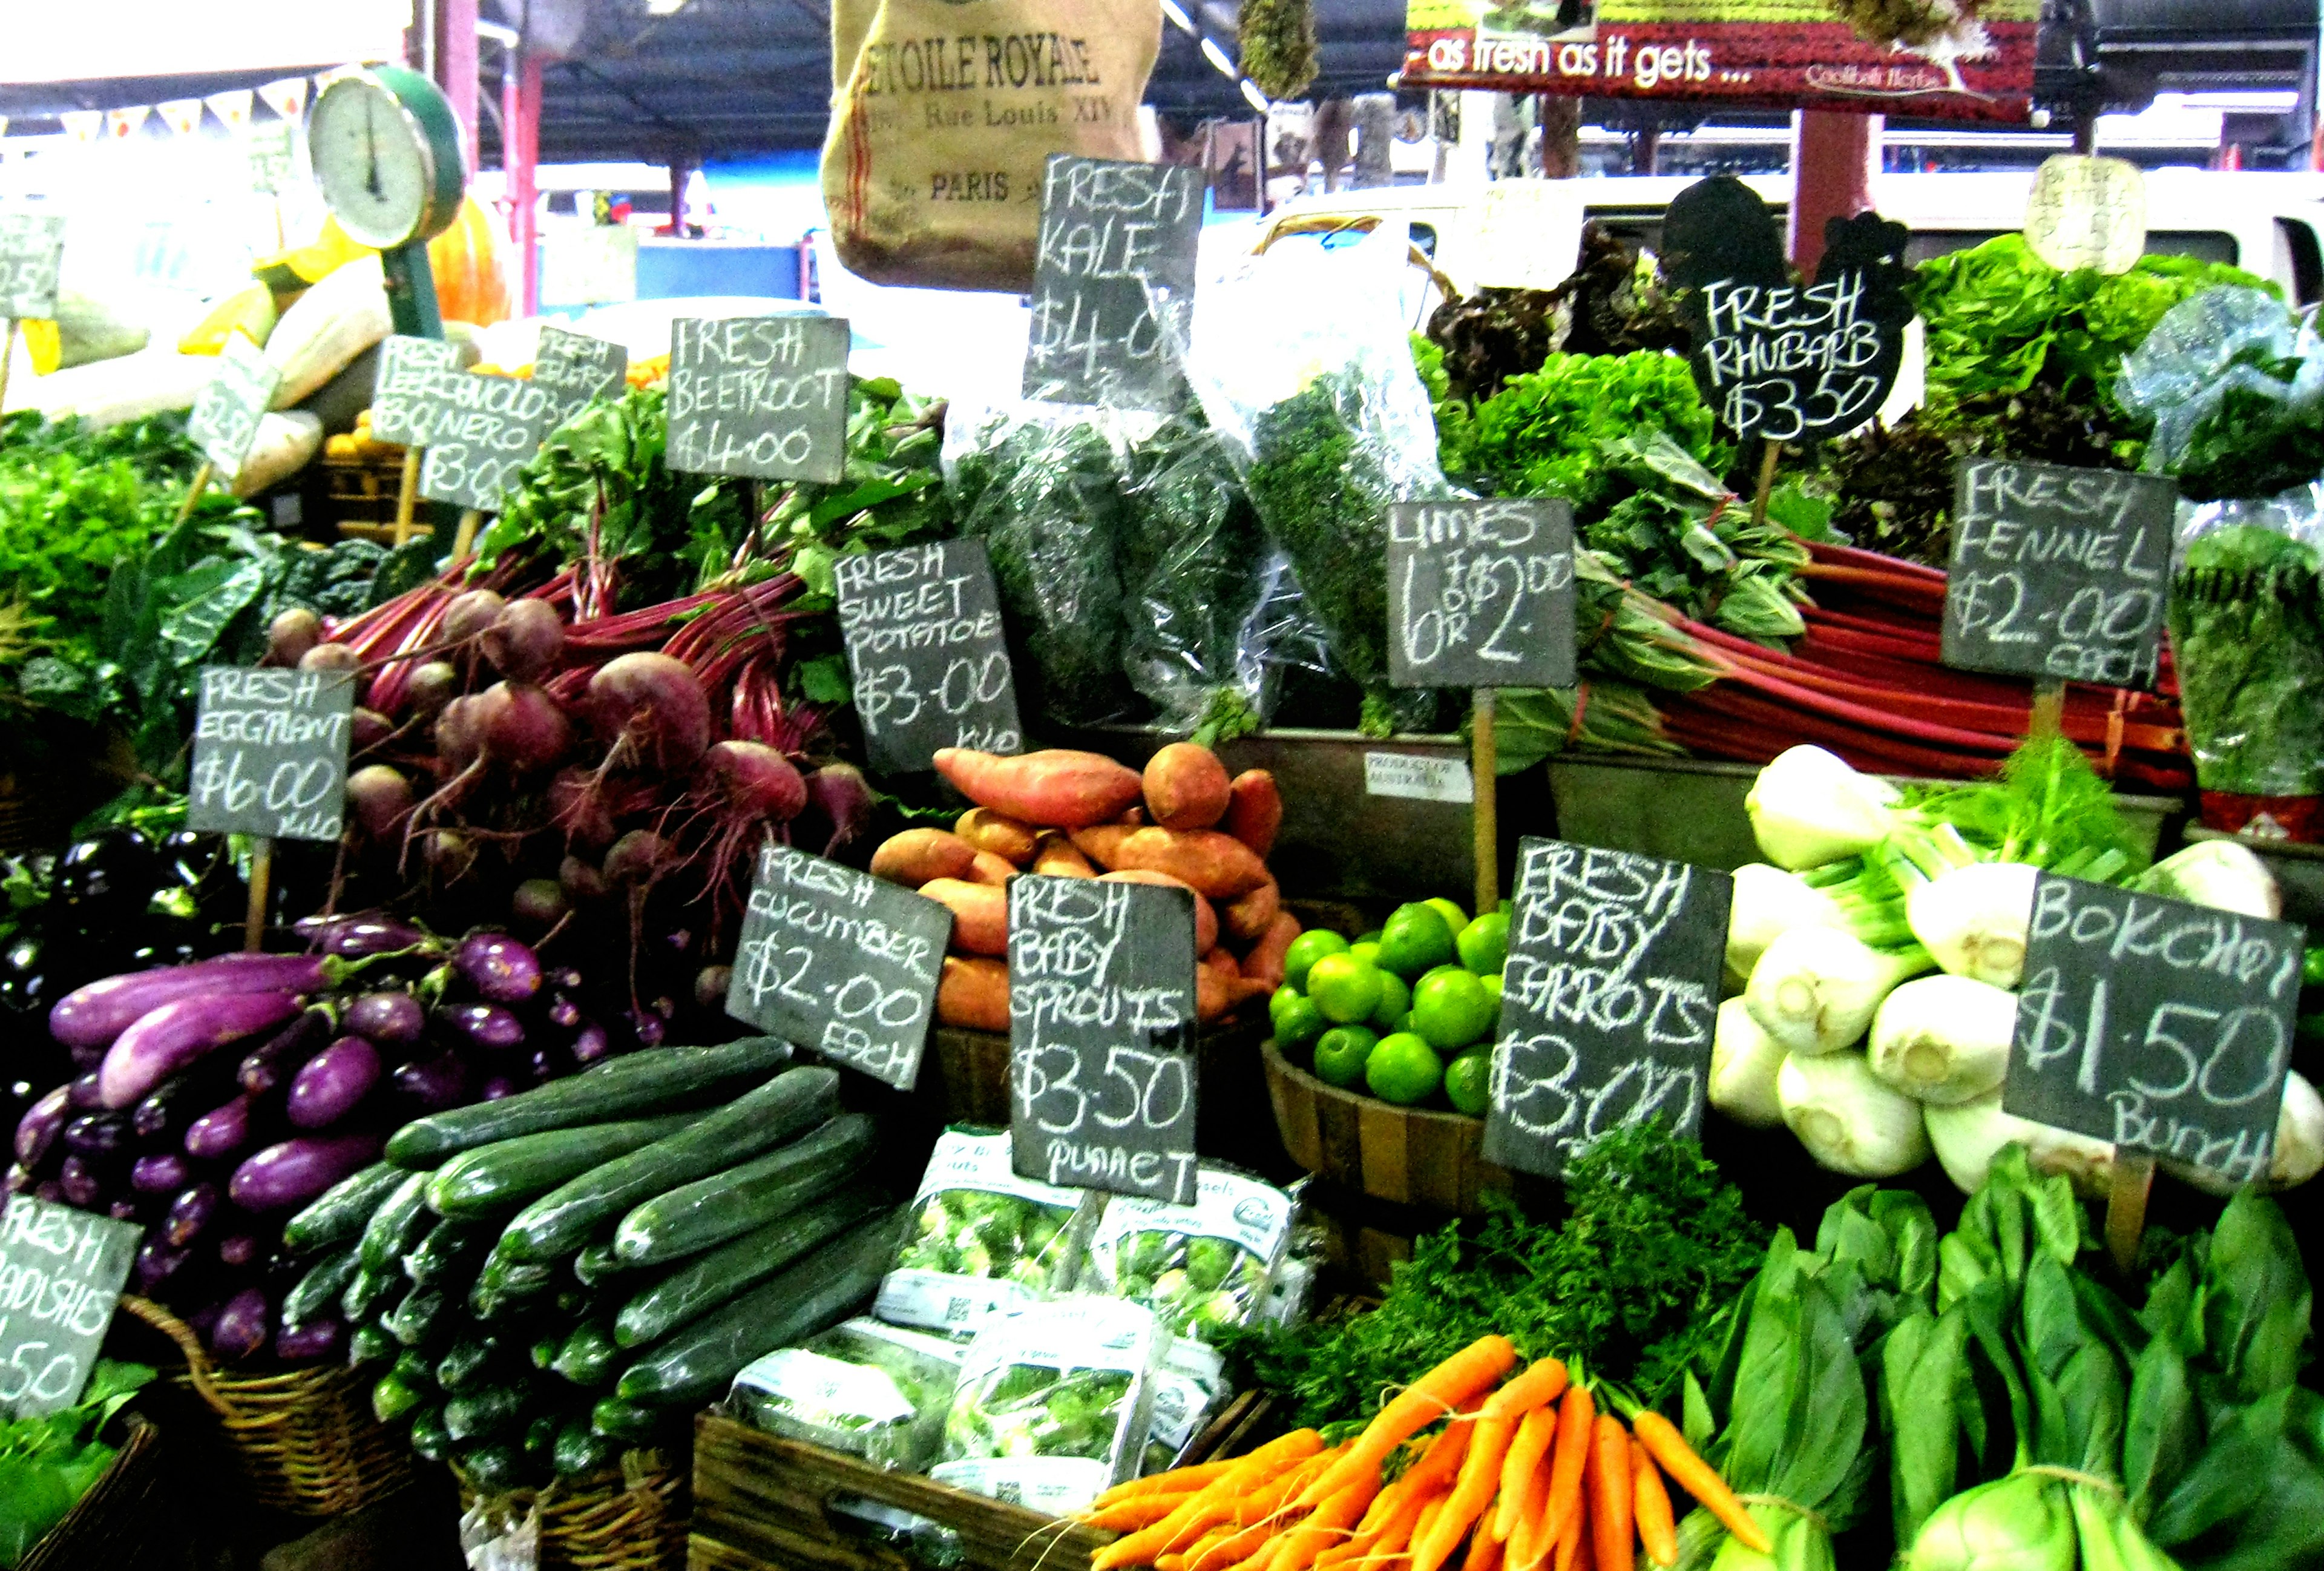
pixel 2232 356
pixel 981 1239
pixel 2248 642
pixel 869 1390
pixel 1198 1266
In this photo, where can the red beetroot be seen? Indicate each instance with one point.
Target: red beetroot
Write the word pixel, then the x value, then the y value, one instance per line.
pixel 651 707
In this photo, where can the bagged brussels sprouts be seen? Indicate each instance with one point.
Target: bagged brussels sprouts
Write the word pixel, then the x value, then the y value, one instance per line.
pixel 1053 1403
pixel 982 1239
pixel 1197 1267
pixel 872 1391
pixel 1190 1386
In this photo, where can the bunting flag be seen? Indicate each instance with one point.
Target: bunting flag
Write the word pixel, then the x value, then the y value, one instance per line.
pixel 83 126
pixel 287 97
pixel 232 107
pixel 180 114
pixel 121 124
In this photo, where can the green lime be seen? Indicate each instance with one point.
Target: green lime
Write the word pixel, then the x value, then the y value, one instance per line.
pixel 1306 949
pixel 1371 938
pixel 1403 1070
pixel 1436 971
pixel 1402 1022
pixel 1345 988
pixel 1492 981
pixel 1484 944
pixel 1340 1054
pixel 1414 939
pixel 1367 950
pixel 1396 1002
pixel 1295 1017
pixel 1469 1083
pixel 1455 918
pixel 1452 1010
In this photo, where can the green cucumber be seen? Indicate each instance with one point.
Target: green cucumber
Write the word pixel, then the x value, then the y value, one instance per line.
pixel 709 1211
pixel 695 1363
pixel 369 1344
pixel 415 1368
pixel 540 1441
pixel 546 1348
pixel 572 1303
pixel 589 1355
pixel 580 1451
pixel 561 1222
pixel 629 1423
pixel 340 1215
pixel 597 1262
pixel 402 1221
pixel 493 1180
pixel 370 1291
pixel 485 1411
pixel 320 1291
pixel 467 1363
pixel 629 1086
pixel 393 1399
pixel 493 1469
pixel 451 1252
pixel 422 1319
pixel 700 1285
pixel 428 1437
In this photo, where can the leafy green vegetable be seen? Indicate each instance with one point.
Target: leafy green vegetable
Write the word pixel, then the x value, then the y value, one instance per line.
pixel 975 1233
pixel 1547 432
pixel 2257 440
pixel 47 1464
pixel 340 582
pixel 2248 644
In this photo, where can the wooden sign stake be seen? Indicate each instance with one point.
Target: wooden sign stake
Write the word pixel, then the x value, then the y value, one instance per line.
pixel 194 492
pixel 2049 718
pixel 261 875
pixel 1767 461
pixel 7 353
pixel 1484 809
pixel 407 494
pixel 2125 1217
pixel 465 539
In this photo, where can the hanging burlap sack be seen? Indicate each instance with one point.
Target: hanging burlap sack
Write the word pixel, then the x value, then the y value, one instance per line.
pixel 945 113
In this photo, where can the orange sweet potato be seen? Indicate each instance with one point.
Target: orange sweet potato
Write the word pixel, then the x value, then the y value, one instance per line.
pixel 1219 865
pixel 1249 918
pixel 999 834
pixel 980 914
pixel 973 994
pixel 1206 919
pixel 1254 809
pixel 1056 787
pixel 1213 995
pixel 1185 787
pixel 996 871
pixel 1061 858
pixel 1264 960
pixel 1100 842
pixel 917 855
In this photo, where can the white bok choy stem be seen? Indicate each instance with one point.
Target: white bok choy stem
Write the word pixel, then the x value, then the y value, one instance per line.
pixel 1969 1134
pixel 1744 1063
pixel 2299 1141
pixel 1815 990
pixel 1808 808
pixel 1847 1120
pixel 1973 919
pixel 1942 1039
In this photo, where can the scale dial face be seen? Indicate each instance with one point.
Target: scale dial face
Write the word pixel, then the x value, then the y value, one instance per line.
pixel 374 162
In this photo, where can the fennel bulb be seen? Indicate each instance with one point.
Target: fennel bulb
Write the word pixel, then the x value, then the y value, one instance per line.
pixel 1808 807
pixel 2219 874
pixel 1969 1135
pixel 2299 1141
pixel 1973 920
pixel 1744 1061
pixel 1768 903
pixel 1847 1120
pixel 1942 1039
pixel 1816 989
pixel 2019 1523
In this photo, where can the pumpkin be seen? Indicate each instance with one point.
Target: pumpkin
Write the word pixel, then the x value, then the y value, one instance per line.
pixel 470 285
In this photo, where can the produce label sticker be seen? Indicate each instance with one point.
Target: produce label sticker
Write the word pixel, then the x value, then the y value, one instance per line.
pixel 404 399
pixel 481 430
pixel 271 753
pixel 1480 594
pixel 1531 231
pixel 225 415
pixel 1609 999
pixel 61 1272
pixel 576 368
pixel 841 962
pixel 1116 256
pixel 272 153
pixel 1418 778
pixel 763 396
pixel 1102 1035
pixel 2087 212
pixel 2057 573
pixel 32 254
pixel 925 648
pixel 2156 1025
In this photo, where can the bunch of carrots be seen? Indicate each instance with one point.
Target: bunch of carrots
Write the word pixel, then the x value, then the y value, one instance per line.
pixel 1526 1470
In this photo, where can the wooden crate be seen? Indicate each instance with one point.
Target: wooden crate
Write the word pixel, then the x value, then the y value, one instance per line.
pixel 361 492
pixel 1404 1154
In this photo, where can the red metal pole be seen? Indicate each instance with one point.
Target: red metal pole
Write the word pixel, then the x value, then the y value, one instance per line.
pixel 455 65
pixel 521 115
pixel 1834 156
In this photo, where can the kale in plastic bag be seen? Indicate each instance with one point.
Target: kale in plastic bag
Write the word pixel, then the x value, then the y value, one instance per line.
pixel 2248 644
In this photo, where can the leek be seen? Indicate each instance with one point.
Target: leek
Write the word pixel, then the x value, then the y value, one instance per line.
pixel 1969 1135
pixel 1815 990
pixel 1808 807
pixel 1847 1120
pixel 1744 1062
pixel 1943 1039
pixel 1973 919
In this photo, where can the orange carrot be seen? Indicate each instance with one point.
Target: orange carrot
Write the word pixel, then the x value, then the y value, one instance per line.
pixel 1326 1527
pixel 1611 1530
pixel 1253 1518
pixel 1177 1480
pixel 1476 1368
pixel 1692 1473
pixel 1390 1533
pixel 1426 1522
pixel 1472 1490
pixel 1139 1511
pixel 1522 1462
pixel 1529 1539
pixel 1540 1384
pixel 1575 1417
pixel 1179 1560
pixel 1210 1505
pixel 1486 1552
pixel 1573 1542
pixel 1650 1503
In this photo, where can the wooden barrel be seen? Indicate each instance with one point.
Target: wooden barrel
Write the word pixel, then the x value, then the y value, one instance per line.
pixel 1404 1154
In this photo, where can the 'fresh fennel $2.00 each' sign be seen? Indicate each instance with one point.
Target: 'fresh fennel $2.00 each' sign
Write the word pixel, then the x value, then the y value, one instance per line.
pixel 1102 1035
pixel 2156 1025
pixel 271 753
pixel 1609 999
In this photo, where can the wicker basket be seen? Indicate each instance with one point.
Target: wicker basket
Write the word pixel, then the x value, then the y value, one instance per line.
pixel 116 1523
pixel 1404 1154
pixel 304 1440
pixel 630 1518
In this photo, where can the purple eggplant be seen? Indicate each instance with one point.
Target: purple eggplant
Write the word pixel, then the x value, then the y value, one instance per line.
pixel 79 1184
pixel 433 1084
pixel 331 1083
pixel 164 1042
pixel 354 937
pixel 316 1342
pixel 164 1173
pixel 546 1063
pixel 590 1046
pixel 43 1121
pixel 564 979
pixel 123 1210
pixel 498 1086
pixel 487 1026
pixel 86 1094
pixel 499 967
pixel 168 1106
pixel 20 1179
pixel 84 1059
pixel 647 1025
pixel 221 1131
pixel 92 1016
pixel 97 1135
pixel 298 1170
pixel 238 1251
pixel 51 1190
pixel 158 1261
pixel 244 1327
pixel 188 1213
pixel 388 1019
pixel 272 1063
pixel 564 1013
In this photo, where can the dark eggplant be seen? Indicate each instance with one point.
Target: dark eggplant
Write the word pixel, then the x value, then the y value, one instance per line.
pixel 174 1103
pixel 272 1063
pixel 86 1094
pixel 243 1326
pixel 100 1135
pixel 221 1131
pixel 51 1190
pixel 354 937
pixel 498 1086
pixel 485 1025
pixel 163 1173
pixel 92 1016
pixel 20 1179
pixel 590 1046
pixel 433 1084
pixel 188 1213
pixel 546 1063
pixel 239 1249
pixel 646 1025
pixel 38 1129
pixel 164 1042
pixel 388 1019
pixel 158 1261
pixel 84 1059
pixel 289 1174
pixel 123 1210
pixel 316 1342
pixel 500 968
pixel 332 1083
pixel 564 1013
pixel 79 1184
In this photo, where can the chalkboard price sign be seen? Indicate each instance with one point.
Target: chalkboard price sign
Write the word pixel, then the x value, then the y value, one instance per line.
pixel 1480 594
pixel 2058 573
pixel 403 398
pixel 272 155
pixel 32 254
pixel 1115 238
pixel 1608 1000
pixel 61 1272
pixel 225 416
pixel 481 430
pixel 1102 1035
pixel 759 395
pixel 841 962
pixel 271 753
pixel 2156 1025
pixel 925 649
pixel 576 368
